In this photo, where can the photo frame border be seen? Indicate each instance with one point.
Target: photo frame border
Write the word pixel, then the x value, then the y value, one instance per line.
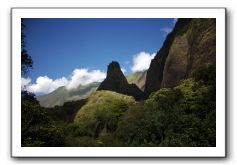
pixel 18 153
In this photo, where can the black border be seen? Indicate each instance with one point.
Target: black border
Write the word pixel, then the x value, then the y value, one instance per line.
pixel 227 78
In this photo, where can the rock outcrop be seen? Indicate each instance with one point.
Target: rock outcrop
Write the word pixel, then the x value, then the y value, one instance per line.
pixel 191 45
pixel 117 82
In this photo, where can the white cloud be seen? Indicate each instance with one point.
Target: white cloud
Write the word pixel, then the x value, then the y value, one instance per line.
pixel 166 30
pixel 123 70
pixel 46 85
pixel 83 77
pixel 25 82
pixel 141 61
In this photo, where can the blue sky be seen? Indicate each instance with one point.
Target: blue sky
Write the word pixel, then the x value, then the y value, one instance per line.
pixel 60 46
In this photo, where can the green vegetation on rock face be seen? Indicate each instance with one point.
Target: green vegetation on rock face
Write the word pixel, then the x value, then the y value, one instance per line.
pixel 102 112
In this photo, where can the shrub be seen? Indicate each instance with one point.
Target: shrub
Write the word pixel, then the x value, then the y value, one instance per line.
pixel 37 128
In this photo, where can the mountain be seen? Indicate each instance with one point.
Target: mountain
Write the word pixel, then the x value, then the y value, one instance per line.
pixel 190 46
pixel 138 78
pixel 117 82
pixel 62 95
pixel 180 112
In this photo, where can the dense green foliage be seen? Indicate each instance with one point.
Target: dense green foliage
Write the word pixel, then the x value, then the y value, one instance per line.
pixel 102 111
pixel 182 116
pixel 67 112
pixel 171 117
pixel 37 129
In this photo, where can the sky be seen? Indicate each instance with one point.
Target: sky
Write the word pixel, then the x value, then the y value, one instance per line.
pixel 71 52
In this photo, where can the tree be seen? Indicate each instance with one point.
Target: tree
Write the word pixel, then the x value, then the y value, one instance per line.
pixel 26 60
pixel 37 128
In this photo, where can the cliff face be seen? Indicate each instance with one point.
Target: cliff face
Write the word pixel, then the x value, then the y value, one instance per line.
pixel 138 78
pixel 191 45
pixel 117 82
pixel 155 72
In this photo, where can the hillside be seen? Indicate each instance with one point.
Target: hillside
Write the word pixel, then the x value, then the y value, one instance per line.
pixel 62 95
pixel 102 112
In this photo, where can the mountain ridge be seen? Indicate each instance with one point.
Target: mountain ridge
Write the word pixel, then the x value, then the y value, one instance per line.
pixel 62 95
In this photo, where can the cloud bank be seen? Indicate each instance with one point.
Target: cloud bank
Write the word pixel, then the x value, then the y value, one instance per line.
pixel 84 77
pixel 141 61
pixel 78 77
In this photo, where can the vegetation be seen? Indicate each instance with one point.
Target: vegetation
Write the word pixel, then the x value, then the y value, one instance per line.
pixel 37 129
pixel 26 60
pixel 102 112
pixel 182 116
pixel 171 117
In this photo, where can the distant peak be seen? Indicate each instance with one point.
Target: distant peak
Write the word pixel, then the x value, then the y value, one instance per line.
pixel 114 70
pixel 117 82
pixel 114 64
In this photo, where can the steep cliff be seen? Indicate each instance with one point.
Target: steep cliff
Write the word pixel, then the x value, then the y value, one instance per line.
pixel 117 82
pixel 191 45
